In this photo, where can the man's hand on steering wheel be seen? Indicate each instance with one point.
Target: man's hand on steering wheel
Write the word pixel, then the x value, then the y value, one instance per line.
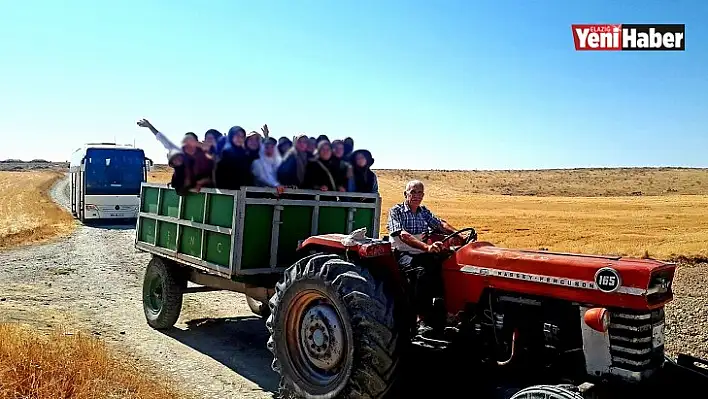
pixel 458 240
pixel 435 247
pixel 471 236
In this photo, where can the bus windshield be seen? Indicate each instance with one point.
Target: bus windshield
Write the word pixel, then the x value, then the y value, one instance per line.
pixel 114 172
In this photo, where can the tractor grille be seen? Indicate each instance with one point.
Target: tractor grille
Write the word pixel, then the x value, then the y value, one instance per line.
pixel 637 340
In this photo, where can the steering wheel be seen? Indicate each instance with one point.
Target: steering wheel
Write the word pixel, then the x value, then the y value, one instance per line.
pixel 472 237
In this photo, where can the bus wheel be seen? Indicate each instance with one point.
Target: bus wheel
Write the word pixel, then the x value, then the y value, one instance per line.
pixel 162 293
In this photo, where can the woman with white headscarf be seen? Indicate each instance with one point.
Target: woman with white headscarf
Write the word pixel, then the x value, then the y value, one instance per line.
pixel 265 168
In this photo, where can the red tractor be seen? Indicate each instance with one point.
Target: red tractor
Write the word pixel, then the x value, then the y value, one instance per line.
pixel 342 319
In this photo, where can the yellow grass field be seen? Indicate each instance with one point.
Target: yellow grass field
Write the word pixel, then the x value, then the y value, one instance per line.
pixel 589 211
pixel 27 213
pixel 33 365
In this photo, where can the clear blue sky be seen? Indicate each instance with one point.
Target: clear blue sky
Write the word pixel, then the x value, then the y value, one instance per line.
pixel 423 84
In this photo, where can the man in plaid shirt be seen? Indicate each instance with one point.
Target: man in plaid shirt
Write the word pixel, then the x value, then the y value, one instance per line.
pixel 407 223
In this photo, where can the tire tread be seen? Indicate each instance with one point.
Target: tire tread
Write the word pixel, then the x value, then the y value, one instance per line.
pixel 172 294
pixel 376 352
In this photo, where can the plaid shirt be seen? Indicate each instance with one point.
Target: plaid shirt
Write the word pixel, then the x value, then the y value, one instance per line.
pixel 401 217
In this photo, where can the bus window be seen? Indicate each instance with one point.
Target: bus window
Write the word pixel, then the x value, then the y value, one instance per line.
pixel 114 172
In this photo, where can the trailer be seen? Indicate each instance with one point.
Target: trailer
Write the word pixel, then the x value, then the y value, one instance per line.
pixel 237 240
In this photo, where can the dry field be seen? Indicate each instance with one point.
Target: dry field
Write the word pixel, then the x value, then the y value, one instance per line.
pixel 615 182
pixel 633 212
pixel 27 213
pixel 59 365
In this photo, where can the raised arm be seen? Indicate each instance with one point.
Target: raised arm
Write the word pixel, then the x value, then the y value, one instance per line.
pixel 169 145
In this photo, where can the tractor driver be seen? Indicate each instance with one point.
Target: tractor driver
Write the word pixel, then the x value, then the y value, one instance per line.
pixel 407 223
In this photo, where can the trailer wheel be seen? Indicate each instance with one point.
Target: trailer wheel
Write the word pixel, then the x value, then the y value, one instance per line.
pixel 162 293
pixel 257 307
pixel 332 331
pixel 548 392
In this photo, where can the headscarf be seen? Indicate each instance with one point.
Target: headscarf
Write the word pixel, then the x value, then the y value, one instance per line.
pixel 363 177
pixel 217 134
pixel 172 154
pixel 283 141
pixel 348 146
pixel 273 160
pixel 253 154
pixel 301 158
pixel 230 137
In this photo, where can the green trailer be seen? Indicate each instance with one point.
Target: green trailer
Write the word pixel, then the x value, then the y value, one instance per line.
pixel 242 240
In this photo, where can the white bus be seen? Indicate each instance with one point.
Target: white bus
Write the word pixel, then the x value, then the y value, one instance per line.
pixel 105 181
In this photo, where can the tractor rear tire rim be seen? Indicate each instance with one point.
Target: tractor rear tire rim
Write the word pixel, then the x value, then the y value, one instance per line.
pixel 316 340
pixel 155 294
pixel 322 336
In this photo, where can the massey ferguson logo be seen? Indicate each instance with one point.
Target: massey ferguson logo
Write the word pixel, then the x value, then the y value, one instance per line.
pixel 607 279
pixel 605 37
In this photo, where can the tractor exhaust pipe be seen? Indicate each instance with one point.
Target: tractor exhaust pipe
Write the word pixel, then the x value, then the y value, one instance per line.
pixel 514 336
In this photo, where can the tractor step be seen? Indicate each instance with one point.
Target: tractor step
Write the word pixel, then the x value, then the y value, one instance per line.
pixel 430 339
pixel 429 343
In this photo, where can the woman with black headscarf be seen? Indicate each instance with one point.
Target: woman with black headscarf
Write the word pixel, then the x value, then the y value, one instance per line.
pixel 365 180
pixel 348 148
pixel 324 172
pixel 213 142
pixel 233 169
pixel 291 171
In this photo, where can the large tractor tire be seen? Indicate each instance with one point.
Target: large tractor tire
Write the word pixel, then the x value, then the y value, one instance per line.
pixel 257 307
pixel 332 331
pixel 163 288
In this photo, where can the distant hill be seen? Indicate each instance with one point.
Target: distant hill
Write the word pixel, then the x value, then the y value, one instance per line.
pixel 19 165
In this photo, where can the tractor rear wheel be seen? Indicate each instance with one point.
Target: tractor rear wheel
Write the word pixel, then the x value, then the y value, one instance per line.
pixel 163 288
pixel 333 332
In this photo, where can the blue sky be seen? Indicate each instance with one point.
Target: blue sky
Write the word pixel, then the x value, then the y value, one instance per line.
pixel 423 84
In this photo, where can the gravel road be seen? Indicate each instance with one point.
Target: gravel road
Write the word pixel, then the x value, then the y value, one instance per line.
pixel 93 280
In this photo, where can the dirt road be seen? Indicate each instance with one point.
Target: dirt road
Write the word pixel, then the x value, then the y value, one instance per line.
pixel 93 281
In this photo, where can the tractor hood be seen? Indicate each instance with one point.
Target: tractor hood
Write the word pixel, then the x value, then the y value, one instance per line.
pixel 597 280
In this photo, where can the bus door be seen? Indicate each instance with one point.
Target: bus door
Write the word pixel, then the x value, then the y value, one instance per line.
pixel 147 168
pixel 76 188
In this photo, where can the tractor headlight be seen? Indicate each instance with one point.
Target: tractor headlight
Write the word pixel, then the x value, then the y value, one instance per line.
pixel 598 319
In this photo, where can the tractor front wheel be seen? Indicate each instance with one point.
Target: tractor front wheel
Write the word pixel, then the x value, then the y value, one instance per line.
pixel 162 293
pixel 549 392
pixel 332 331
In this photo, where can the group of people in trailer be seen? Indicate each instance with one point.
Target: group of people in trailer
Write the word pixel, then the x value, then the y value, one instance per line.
pixel 256 159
